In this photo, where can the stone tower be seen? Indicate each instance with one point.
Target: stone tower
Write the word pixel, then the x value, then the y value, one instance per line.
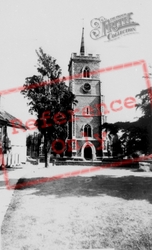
pixel 84 132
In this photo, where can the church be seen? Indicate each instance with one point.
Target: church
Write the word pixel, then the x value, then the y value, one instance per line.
pixel 85 140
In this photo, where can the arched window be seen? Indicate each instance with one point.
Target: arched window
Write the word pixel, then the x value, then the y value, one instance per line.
pixel 87 130
pixel 86 72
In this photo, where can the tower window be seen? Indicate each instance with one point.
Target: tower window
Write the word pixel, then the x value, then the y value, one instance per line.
pixel 86 72
pixel 87 130
pixel 86 111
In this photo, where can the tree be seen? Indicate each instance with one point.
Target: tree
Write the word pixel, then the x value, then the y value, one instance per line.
pixel 115 143
pixel 145 102
pixel 29 144
pixel 33 143
pixel 51 100
pixel 145 105
pixel 136 136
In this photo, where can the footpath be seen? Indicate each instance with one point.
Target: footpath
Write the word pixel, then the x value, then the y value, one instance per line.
pixel 14 174
pixel 6 194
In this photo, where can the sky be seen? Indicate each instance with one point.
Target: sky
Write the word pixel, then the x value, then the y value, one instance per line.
pixel 56 26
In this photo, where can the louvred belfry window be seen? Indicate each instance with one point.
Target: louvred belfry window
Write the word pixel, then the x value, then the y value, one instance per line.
pixel 86 72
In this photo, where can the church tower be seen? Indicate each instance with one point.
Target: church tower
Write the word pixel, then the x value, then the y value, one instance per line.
pixel 84 131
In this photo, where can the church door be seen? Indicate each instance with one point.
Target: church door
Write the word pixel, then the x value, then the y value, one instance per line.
pixel 88 153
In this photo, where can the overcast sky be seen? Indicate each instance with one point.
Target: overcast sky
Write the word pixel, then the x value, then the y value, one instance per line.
pixel 56 26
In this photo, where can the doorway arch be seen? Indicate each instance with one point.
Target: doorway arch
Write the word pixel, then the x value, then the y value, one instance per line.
pixel 88 151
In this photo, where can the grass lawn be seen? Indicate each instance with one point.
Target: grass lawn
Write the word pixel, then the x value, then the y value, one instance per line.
pixel 81 212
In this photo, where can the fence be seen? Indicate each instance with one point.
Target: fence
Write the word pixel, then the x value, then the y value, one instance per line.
pixel 15 157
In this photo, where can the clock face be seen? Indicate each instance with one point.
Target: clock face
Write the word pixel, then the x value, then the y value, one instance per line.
pixel 86 87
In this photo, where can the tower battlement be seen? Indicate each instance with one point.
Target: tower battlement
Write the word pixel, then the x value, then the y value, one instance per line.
pixel 84 58
pixel 87 56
